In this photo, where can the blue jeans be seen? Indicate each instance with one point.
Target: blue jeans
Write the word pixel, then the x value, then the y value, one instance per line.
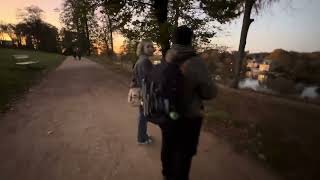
pixel 142 126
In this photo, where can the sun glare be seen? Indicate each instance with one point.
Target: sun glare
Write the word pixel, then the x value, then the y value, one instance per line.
pixel 4 37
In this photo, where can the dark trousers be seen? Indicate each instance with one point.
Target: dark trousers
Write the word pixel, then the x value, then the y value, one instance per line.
pixel 142 127
pixel 179 144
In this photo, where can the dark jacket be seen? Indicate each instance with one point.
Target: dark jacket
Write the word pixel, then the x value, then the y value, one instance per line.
pixel 141 69
pixel 197 85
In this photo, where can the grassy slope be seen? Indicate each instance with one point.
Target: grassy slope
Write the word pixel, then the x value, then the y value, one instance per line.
pixel 284 133
pixel 14 80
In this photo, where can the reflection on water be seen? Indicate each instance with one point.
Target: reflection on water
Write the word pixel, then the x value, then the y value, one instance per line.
pixel 257 81
pixel 310 92
pixel 254 80
pixel 256 74
pixel 254 84
pixel 252 74
pixel 249 83
pixel 262 78
pixel 260 86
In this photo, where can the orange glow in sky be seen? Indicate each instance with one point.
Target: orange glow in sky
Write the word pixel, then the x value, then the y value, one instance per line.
pixel 8 14
pixel 117 42
pixel 5 37
pixel 8 10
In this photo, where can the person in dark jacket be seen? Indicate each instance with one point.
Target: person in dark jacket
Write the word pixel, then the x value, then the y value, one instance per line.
pixel 79 53
pixel 141 69
pixel 180 137
pixel 74 53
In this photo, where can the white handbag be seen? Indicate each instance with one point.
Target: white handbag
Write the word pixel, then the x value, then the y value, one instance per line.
pixel 134 97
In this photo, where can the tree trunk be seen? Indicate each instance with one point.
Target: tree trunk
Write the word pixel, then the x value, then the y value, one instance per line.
pixel 79 42
pixel 29 44
pixel 111 40
pixel 177 13
pixel 161 12
pixel 87 36
pixel 106 41
pixel 106 38
pixel 243 41
pixel 111 35
pixel 19 42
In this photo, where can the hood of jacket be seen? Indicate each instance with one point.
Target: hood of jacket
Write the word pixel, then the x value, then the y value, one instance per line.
pixel 178 54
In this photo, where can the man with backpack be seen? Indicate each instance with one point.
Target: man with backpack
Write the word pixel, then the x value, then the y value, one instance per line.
pixel 181 130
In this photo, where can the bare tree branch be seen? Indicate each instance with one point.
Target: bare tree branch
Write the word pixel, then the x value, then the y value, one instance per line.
pixel 140 2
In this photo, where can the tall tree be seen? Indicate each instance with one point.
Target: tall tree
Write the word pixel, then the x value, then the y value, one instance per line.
pixel 49 38
pixel 155 19
pixel 219 11
pixel 39 34
pixel 79 16
pixel 9 29
pixel 160 8
pixel 30 14
pixel 30 25
pixel 115 15
pixel 246 22
pixel 22 30
pixel 68 39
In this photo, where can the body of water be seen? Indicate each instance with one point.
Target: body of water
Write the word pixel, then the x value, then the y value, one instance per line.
pixel 258 85
pixel 310 92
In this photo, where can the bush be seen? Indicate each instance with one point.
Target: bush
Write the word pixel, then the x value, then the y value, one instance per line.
pixel 281 85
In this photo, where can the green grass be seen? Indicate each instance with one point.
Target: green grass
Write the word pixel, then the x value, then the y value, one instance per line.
pixel 14 80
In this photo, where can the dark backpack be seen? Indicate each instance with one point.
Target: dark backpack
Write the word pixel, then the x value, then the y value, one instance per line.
pixel 161 92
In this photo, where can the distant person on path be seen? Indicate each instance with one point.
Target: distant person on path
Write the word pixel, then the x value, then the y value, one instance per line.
pixel 141 69
pixel 78 52
pixel 74 53
pixel 180 137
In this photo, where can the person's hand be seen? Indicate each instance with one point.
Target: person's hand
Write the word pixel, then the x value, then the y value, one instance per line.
pixel 130 96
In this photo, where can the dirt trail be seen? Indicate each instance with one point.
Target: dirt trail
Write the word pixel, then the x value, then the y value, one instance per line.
pixel 76 124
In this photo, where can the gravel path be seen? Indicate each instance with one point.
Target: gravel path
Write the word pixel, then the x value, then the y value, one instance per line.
pixel 76 124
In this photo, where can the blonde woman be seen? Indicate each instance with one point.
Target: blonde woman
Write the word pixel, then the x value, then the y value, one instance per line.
pixel 141 69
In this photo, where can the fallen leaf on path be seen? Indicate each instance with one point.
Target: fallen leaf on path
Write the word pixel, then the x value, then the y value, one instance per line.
pixel 262 156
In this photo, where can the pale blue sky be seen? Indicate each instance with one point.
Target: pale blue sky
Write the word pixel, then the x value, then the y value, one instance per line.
pixel 289 24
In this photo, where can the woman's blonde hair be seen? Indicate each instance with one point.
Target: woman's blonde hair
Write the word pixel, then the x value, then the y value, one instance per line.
pixel 141 45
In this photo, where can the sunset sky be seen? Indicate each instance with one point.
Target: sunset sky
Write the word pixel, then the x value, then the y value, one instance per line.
pixel 290 24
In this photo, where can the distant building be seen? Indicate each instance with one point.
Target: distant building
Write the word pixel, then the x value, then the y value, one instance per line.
pixel 252 63
pixel 264 67
pixel 5 43
pixel 259 65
